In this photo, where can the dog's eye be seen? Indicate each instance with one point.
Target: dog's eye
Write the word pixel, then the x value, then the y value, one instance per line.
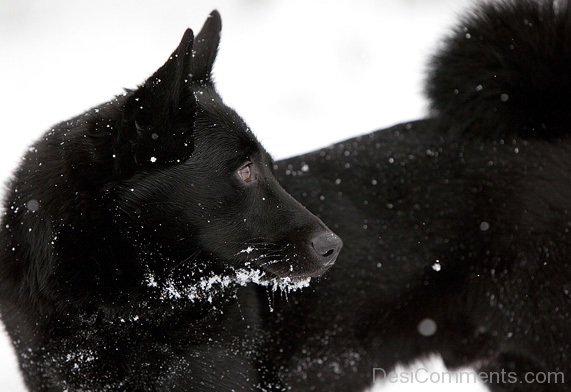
pixel 245 173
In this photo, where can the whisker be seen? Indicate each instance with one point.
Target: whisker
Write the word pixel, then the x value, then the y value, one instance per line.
pixel 163 203
pixel 273 254
pixel 192 256
pixel 251 243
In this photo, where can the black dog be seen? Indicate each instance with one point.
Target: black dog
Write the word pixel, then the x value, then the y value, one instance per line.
pixel 127 229
pixel 457 227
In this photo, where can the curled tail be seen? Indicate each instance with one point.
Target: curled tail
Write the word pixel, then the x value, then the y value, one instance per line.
pixel 506 70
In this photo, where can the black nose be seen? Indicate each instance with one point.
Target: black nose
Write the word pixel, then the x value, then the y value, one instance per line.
pixel 327 246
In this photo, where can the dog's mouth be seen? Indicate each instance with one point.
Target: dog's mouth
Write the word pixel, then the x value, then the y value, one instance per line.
pixel 209 286
pixel 268 279
pixel 277 273
pixel 283 264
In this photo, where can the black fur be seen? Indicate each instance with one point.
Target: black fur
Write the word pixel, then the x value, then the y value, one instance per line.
pixel 127 230
pixel 505 71
pixel 462 219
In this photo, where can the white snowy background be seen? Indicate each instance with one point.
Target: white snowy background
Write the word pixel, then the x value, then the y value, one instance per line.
pixel 302 73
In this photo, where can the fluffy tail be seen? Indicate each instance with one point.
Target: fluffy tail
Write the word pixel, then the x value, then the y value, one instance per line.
pixel 506 70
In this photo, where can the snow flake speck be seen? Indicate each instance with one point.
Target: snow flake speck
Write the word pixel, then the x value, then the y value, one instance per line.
pixel 206 288
pixel 427 327
pixel 248 250
pixel 33 205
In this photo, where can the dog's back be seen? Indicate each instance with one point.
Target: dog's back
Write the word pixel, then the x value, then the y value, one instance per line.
pixel 456 228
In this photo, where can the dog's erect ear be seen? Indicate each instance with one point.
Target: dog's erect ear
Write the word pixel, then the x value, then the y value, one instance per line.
pixel 206 47
pixel 158 116
pixel 170 83
pixel 159 99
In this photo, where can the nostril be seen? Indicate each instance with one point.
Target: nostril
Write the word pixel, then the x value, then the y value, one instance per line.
pixel 328 253
pixel 327 246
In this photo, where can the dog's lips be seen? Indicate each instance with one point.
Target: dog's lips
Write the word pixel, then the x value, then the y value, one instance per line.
pixel 297 276
pixel 290 279
pixel 297 267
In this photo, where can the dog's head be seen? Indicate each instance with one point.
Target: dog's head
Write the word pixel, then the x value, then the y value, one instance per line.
pixel 203 181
